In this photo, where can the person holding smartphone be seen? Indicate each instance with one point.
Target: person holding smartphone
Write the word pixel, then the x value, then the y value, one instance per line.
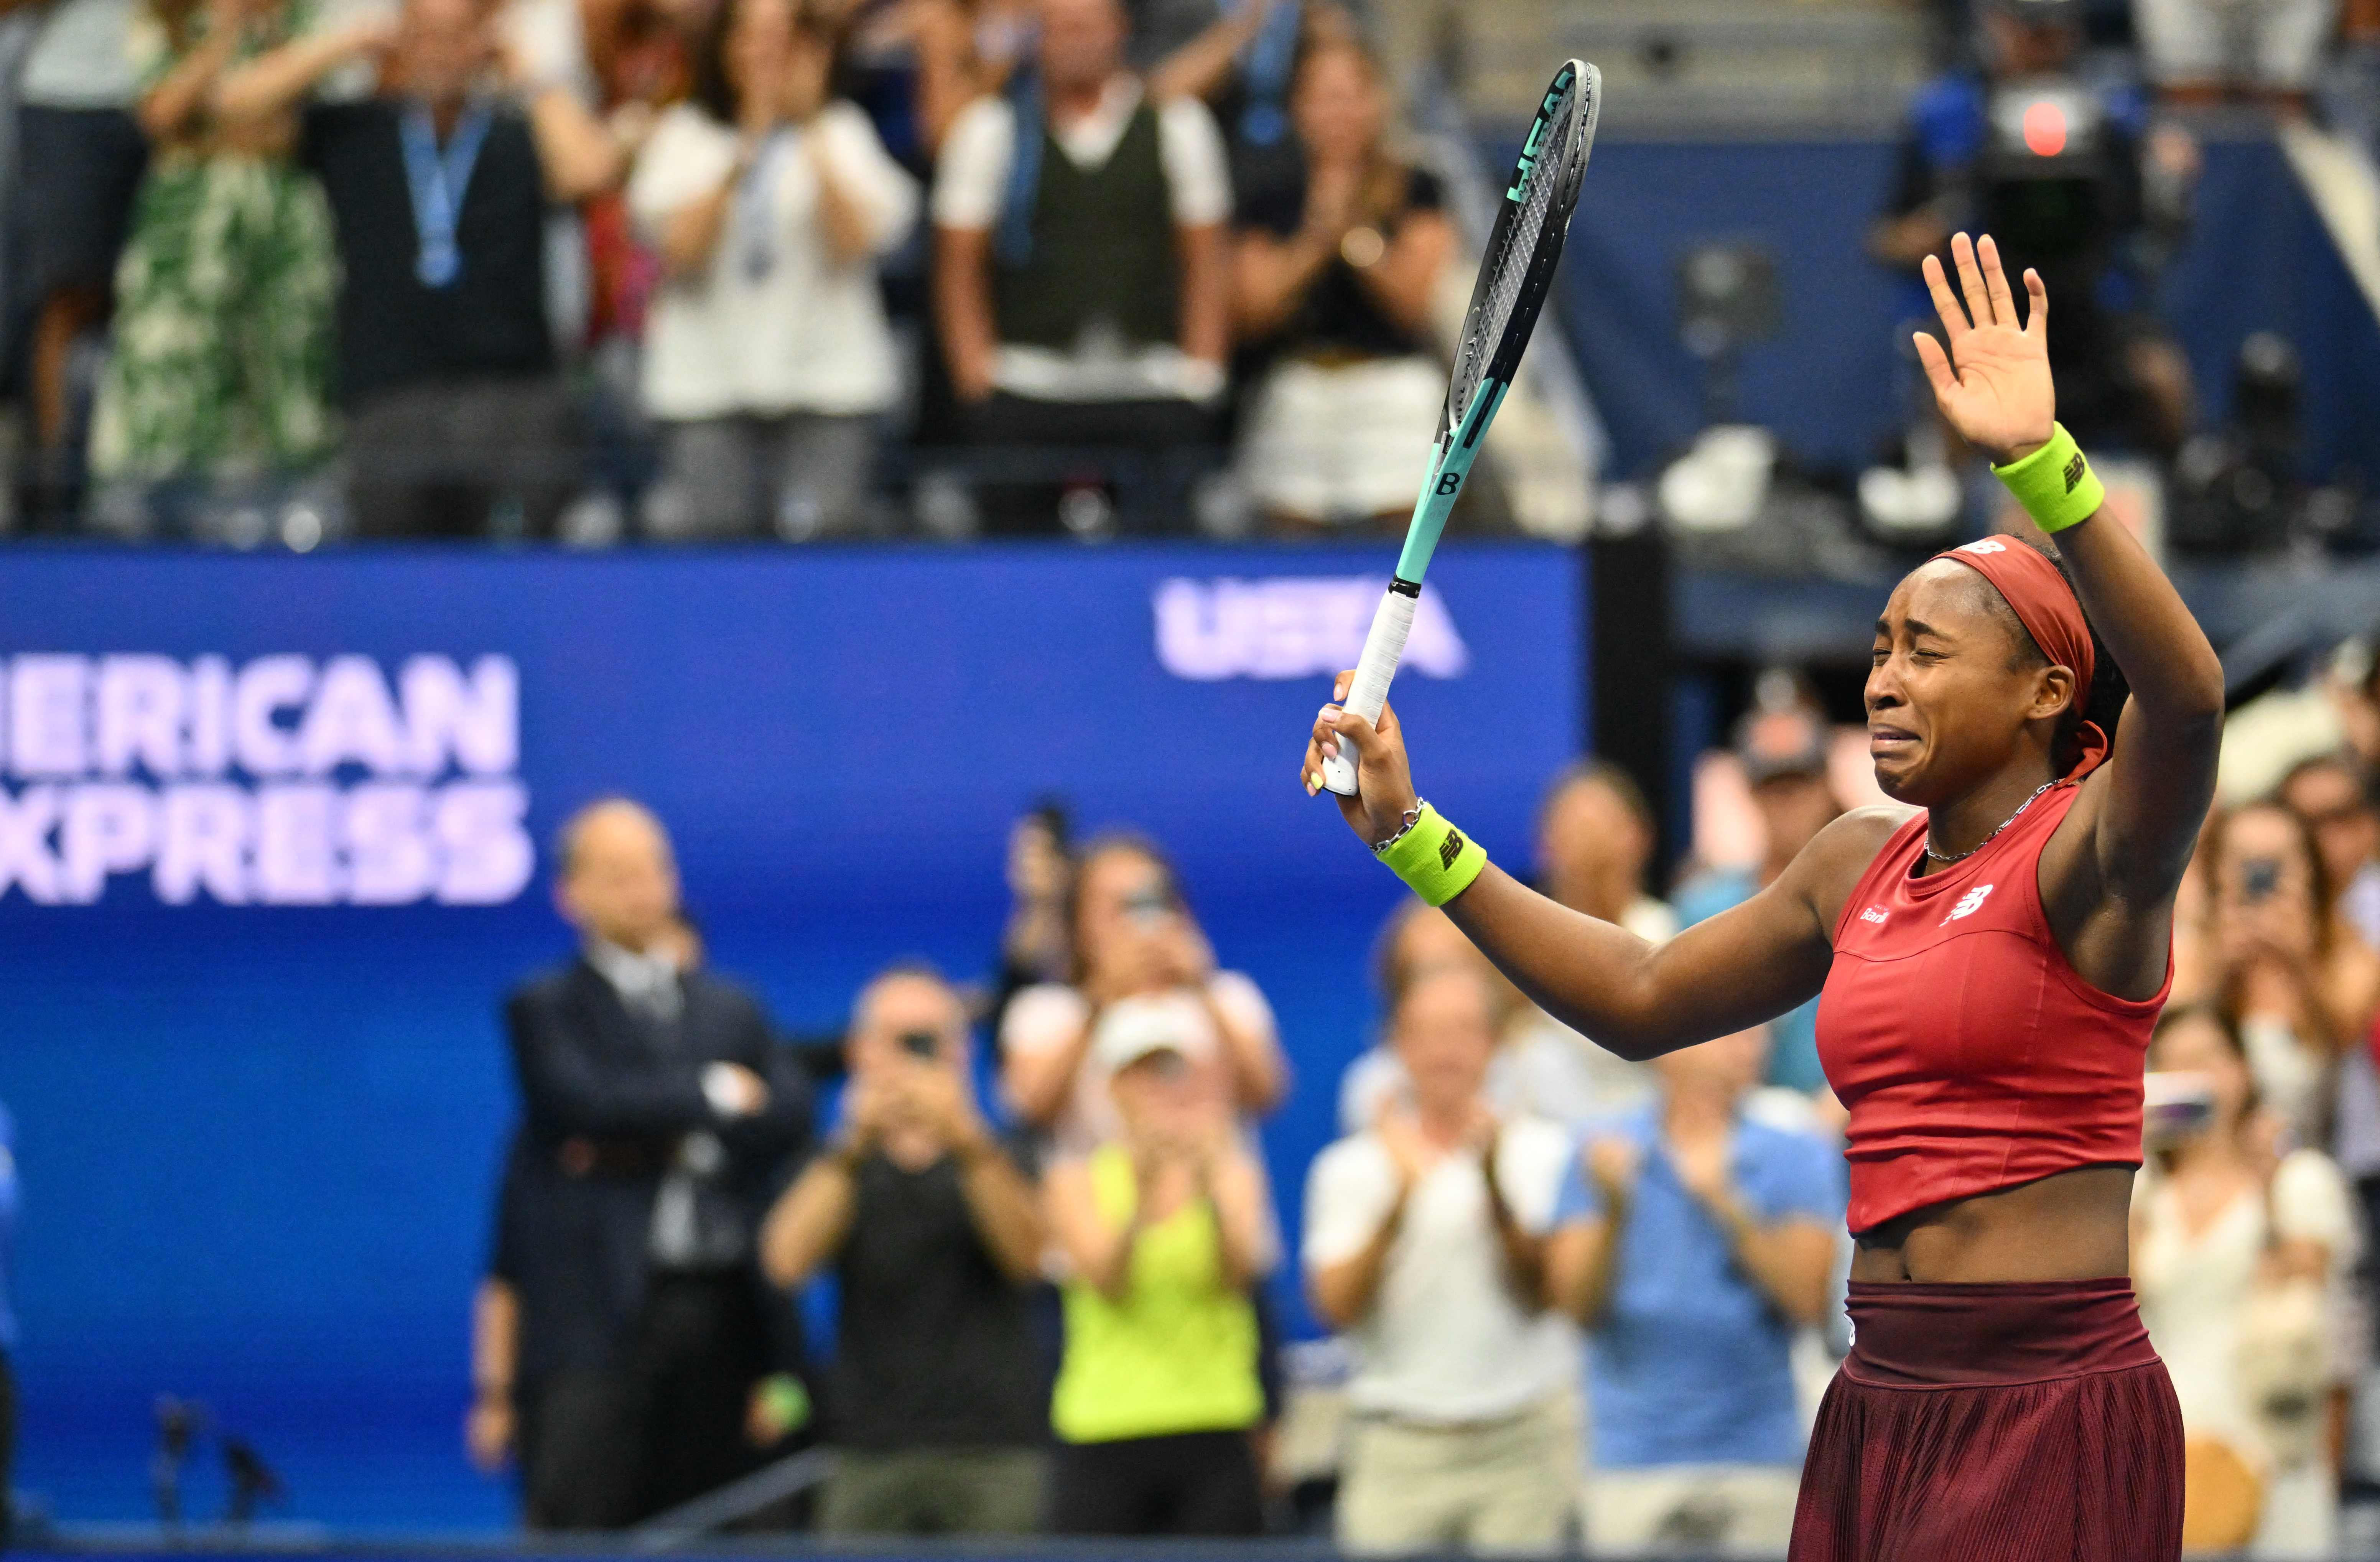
pixel 2301 980
pixel 937 1398
pixel 1135 944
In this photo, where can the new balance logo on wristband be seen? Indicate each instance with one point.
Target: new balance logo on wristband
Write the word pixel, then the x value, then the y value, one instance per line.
pixel 1451 848
pixel 2074 470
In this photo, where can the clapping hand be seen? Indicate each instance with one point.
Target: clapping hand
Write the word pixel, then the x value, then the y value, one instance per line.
pixel 229 20
pixel 868 1109
pixel 489 1432
pixel 1999 397
pixel 1408 1151
pixel 1612 1164
pixel 1333 191
pixel 941 1097
pixel 1705 1168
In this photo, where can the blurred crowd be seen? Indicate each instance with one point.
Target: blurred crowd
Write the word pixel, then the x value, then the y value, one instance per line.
pixel 1060 1289
pixel 1008 1254
pixel 597 269
pixel 676 269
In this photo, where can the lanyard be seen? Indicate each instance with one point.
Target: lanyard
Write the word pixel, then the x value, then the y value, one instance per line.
pixel 1265 67
pixel 756 214
pixel 438 181
pixel 1015 244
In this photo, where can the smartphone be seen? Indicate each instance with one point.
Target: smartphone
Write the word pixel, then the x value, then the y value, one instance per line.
pixel 921 1044
pixel 1051 815
pixel 2177 1107
pixel 1149 908
pixel 2259 878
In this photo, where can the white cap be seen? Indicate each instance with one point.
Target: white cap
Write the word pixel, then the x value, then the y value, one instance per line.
pixel 1133 1028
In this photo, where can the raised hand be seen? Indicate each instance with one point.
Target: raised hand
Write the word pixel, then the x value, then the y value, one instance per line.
pixel 1999 397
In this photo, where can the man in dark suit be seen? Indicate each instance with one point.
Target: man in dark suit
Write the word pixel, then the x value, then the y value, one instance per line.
pixel 659 1118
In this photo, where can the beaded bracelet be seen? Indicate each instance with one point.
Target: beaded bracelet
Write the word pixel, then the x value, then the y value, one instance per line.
pixel 1437 861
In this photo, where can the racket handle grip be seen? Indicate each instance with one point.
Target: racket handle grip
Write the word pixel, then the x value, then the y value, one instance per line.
pixel 1369 693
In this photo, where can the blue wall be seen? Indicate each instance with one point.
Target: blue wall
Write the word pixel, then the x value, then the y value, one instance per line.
pixel 1833 383
pixel 256 1140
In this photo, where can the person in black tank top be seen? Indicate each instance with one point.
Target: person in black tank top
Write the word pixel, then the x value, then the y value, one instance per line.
pixel 1334 270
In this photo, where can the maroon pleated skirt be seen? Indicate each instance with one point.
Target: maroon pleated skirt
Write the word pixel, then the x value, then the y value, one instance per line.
pixel 1995 1423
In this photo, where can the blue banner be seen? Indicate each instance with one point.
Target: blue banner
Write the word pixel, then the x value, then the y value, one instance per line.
pixel 275 831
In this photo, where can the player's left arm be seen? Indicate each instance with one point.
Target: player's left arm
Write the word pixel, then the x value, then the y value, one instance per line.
pixel 2154 792
pixel 2107 881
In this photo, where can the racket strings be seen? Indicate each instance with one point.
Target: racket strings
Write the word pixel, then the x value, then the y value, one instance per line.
pixel 1485 328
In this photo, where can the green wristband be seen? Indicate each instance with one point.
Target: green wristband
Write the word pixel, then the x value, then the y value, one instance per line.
pixel 2055 484
pixel 1436 860
pixel 785 1402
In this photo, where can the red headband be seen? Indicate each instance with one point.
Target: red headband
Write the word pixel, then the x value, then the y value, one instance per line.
pixel 2045 604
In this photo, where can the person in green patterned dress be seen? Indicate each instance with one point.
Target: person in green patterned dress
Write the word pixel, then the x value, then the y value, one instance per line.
pixel 221 368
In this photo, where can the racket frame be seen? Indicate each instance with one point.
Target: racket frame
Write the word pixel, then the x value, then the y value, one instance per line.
pixel 1461 430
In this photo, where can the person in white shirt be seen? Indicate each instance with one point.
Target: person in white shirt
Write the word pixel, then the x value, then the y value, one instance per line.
pixel 1138 954
pixel 1425 1245
pixel 767 355
pixel 1081 268
pixel 2240 1252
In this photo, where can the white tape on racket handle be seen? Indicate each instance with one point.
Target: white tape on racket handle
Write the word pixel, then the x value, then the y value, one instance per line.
pixel 1382 648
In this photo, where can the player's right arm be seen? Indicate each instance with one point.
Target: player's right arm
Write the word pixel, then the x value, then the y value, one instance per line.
pixel 1635 997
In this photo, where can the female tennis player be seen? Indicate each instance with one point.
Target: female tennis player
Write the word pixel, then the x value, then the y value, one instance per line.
pixel 1990 970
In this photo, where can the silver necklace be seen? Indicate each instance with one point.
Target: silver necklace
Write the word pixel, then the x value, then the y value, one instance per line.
pixel 1994 835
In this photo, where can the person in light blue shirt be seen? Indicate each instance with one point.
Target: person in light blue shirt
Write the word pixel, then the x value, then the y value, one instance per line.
pixel 1691 1240
pixel 1783 751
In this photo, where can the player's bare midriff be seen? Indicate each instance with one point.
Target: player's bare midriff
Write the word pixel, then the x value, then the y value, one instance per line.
pixel 2072 1225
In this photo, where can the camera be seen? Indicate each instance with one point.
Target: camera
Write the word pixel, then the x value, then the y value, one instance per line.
pixel 1148 908
pixel 2177 1107
pixel 2259 878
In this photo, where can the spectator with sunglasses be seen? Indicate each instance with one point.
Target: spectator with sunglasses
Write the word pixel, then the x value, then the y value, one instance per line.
pixel 933 1230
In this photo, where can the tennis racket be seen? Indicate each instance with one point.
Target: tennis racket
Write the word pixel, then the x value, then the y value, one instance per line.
pixel 1514 277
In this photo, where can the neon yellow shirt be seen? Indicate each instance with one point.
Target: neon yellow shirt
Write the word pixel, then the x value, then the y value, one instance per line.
pixel 1179 1352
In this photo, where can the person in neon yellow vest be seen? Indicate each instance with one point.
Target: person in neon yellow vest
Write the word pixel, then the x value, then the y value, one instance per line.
pixel 1165 1229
